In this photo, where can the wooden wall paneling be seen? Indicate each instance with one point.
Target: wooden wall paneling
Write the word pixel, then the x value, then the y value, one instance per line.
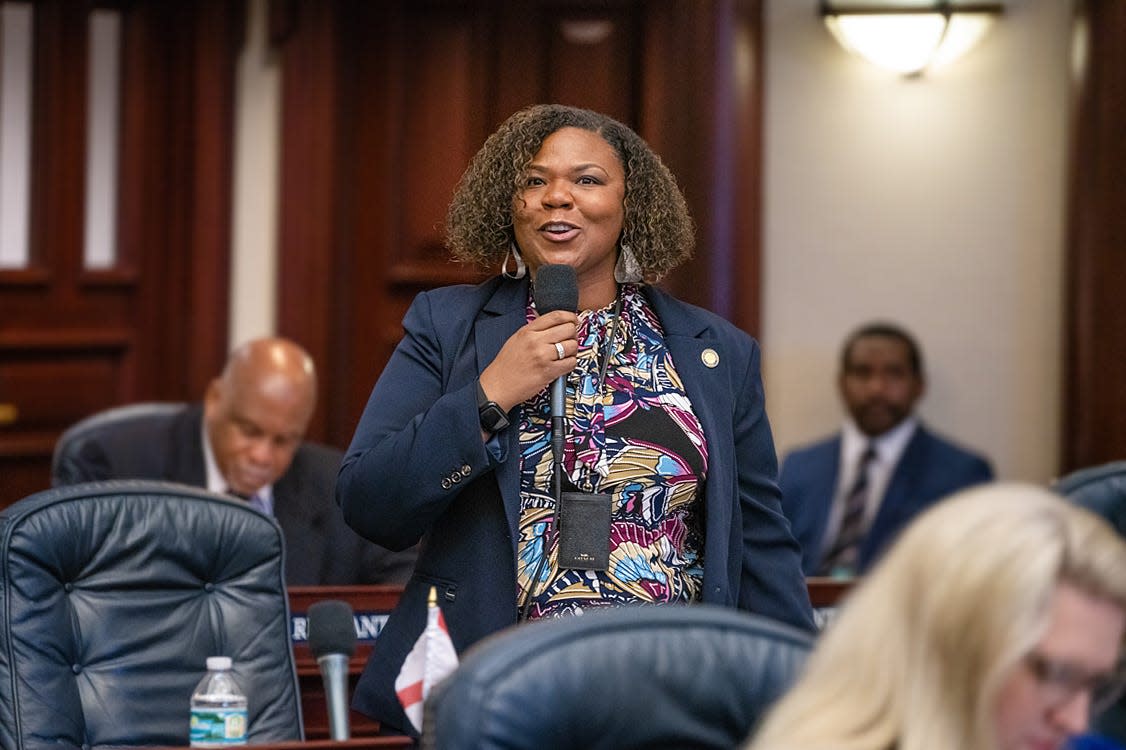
pixel 743 165
pixel 593 61
pixel 397 116
pixel 141 212
pixel 73 340
pixel 432 81
pixel 219 35
pixel 409 91
pixel 517 72
pixel 676 119
pixel 1094 399
pixel 149 187
pixel 58 143
pixel 439 124
pixel 176 189
pixel 37 302
pixel 309 231
pixel 49 380
pixel 702 111
pixel 376 57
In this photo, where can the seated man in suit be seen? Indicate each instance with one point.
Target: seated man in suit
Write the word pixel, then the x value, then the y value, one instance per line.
pixel 246 439
pixel 848 495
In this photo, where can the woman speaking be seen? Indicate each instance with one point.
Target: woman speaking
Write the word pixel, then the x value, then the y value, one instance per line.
pixel 666 478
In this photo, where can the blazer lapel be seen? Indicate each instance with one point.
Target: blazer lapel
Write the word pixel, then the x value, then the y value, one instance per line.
pixel 900 490
pixel 700 373
pixel 502 315
pixel 818 504
pixel 899 499
pixel 693 350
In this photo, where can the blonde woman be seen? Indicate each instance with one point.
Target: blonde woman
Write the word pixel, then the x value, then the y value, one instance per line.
pixel 994 623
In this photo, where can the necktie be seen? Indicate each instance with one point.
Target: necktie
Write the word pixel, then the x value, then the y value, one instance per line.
pixel 841 560
pixel 254 501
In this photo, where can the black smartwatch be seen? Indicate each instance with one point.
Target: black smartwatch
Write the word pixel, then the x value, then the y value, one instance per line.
pixel 492 416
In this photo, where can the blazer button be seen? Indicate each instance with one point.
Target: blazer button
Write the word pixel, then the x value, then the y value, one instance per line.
pixel 446 483
pixel 455 477
pixel 465 470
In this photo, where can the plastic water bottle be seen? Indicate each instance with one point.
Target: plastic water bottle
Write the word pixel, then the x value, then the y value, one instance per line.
pixel 218 707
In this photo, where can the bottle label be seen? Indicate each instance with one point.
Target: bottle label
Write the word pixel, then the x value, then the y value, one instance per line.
pixel 218 727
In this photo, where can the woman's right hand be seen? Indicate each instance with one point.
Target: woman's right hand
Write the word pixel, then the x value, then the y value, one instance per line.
pixel 529 359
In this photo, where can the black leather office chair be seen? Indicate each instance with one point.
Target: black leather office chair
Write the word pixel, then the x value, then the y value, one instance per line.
pixel 63 471
pixel 112 596
pixel 1102 489
pixel 636 677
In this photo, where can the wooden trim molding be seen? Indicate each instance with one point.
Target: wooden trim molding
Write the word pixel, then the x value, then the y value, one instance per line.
pixel 1094 399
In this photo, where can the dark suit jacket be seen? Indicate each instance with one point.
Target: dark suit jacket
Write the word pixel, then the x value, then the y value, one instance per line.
pixel 929 469
pixel 418 469
pixel 320 548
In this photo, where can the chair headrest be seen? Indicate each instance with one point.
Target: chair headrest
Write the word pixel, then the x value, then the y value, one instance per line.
pixel 1101 489
pixel 678 676
pixel 98 422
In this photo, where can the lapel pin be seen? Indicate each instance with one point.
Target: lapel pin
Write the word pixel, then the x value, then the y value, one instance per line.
pixel 710 357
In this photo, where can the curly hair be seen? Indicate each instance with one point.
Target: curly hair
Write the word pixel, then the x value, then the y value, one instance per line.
pixel 656 225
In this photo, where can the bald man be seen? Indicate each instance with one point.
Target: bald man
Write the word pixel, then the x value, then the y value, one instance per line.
pixel 247 439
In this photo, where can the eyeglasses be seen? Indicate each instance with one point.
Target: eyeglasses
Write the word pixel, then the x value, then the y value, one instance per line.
pixel 1061 682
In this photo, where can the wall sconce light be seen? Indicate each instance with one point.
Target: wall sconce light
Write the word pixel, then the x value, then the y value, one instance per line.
pixel 909 38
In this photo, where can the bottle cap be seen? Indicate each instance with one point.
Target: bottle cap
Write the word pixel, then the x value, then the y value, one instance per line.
pixel 217 663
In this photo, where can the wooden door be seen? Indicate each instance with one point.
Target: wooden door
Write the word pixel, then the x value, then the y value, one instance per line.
pixel 128 124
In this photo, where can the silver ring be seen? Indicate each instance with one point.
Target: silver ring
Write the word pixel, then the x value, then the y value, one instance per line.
pixel 559 353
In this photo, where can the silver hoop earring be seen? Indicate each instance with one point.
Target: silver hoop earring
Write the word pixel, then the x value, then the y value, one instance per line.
pixel 627 270
pixel 521 269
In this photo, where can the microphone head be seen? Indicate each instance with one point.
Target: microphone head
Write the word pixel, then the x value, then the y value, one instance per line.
pixel 556 288
pixel 331 628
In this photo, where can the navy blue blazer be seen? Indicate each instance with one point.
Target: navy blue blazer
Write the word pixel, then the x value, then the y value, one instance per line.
pixel 929 469
pixel 320 548
pixel 418 469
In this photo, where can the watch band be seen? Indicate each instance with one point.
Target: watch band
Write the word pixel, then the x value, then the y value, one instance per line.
pixel 492 417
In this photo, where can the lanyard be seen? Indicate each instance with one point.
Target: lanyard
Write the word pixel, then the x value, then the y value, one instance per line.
pixel 609 348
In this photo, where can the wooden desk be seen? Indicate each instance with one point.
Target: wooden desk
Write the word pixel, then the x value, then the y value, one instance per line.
pixel 827 592
pixel 356 743
pixel 371 605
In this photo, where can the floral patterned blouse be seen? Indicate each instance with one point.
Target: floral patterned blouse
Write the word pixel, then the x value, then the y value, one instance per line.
pixel 633 437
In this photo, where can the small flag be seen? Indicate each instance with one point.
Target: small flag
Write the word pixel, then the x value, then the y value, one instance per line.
pixel 431 660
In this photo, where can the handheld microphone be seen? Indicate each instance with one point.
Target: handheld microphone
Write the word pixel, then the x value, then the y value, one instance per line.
pixel 332 639
pixel 556 288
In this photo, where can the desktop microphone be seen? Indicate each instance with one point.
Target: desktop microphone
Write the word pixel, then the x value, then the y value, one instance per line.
pixel 556 288
pixel 332 639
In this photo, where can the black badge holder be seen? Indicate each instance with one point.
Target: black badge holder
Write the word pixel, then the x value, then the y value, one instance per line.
pixel 584 531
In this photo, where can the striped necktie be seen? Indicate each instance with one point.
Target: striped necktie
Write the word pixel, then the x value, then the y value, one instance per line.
pixel 842 557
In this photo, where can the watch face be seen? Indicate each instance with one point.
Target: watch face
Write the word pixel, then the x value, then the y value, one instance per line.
pixel 493 417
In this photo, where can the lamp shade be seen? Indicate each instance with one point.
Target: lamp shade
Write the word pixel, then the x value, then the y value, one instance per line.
pixel 909 39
